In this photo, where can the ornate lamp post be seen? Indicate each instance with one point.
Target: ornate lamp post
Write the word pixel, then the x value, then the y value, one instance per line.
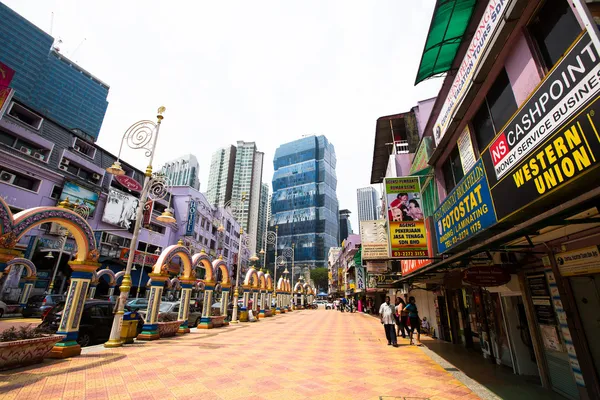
pixel 141 135
pixel 271 238
pixel 288 252
pixel 236 293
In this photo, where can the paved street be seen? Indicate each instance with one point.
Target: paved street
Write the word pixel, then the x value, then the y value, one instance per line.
pixel 306 354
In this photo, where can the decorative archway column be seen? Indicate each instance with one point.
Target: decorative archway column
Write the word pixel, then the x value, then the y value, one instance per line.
pixel 92 291
pixel 71 317
pixel 225 299
pixel 184 306
pixel 277 302
pixel 111 290
pixel 150 329
pixel 261 301
pixel 205 321
pixel 26 292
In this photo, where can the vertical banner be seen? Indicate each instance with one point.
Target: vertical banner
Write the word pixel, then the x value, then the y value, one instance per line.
pixel 405 218
pixel 374 240
pixel 360 278
pixel 465 149
pixel 191 219
pixel 148 210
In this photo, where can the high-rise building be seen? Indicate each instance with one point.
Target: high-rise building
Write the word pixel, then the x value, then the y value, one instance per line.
pixel 345 226
pixel 263 216
pixel 237 170
pixel 304 203
pixel 45 80
pixel 183 171
pixel 220 179
pixel 368 201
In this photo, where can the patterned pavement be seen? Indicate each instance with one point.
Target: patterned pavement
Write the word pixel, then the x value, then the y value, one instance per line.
pixel 311 354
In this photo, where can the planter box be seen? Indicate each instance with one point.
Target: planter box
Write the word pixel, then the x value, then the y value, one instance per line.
pixel 26 352
pixel 217 321
pixel 166 329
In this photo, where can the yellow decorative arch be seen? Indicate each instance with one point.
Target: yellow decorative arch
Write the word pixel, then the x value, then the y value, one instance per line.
pixel 162 263
pixel 201 260
pixel 262 282
pixel 269 281
pixel 220 264
pixel 251 278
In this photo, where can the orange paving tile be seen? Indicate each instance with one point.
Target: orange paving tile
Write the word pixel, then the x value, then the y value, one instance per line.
pixel 317 354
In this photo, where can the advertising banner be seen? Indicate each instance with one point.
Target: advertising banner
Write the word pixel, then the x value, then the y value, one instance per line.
pixel 483 37
pixel 465 149
pixel 571 152
pixel 584 261
pixel 81 195
pixel 374 240
pixel 377 267
pixel 148 210
pixel 138 258
pixel 572 84
pixel 360 278
pixel 191 219
pixel 466 211
pixel 405 217
pixel 120 208
pixel 422 155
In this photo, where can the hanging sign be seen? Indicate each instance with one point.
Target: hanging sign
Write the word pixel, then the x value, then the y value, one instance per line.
pixel 374 240
pixel 584 261
pixel 377 267
pixel 465 149
pixel 466 211
pixel 422 155
pixel 191 219
pixel 129 183
pixel 147 216
pixel 406 223
pixel 360 278
pixel 486 276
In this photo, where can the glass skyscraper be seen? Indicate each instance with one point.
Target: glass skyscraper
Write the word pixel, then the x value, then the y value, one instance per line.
pixel 46 81
pixel 304 204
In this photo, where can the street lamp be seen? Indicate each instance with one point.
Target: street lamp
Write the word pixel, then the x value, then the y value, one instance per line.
pixel 236 293
pixel 141 135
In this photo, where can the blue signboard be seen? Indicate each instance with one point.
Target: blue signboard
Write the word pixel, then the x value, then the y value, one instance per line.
pixel 467 211
pixel 191 220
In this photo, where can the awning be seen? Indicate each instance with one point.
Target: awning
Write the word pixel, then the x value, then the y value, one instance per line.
pixel 388 130
pixel 448 25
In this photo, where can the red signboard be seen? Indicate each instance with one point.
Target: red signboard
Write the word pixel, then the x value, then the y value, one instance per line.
pixel 148 208
pixel 139 257
pixel 486 276
pixel 129 182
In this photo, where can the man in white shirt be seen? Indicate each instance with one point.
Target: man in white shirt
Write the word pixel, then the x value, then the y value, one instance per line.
pixel 386 313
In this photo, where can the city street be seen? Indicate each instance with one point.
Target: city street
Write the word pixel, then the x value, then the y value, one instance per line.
pixel 305 354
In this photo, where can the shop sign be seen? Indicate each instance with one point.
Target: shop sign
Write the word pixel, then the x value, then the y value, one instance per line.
pixel 579 262
pixel 191 219
pixel 466 211
pixel 129 183
pixel 148 210
pixel 422 155
pixel 55 245
pixel 377 267
pixel 360 278
pixel 138 258
pixel 405 218
pixel 410 266
pixel 486 276
pixel 465 149
pixel 374 240
pixel 483 37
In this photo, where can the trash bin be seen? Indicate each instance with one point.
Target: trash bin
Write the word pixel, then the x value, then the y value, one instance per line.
pixel 129 328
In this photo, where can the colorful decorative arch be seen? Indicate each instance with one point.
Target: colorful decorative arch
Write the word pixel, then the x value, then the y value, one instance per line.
pixel 112 277
pixel 288 285
pixel 168 253
pixel 28 264
pixel 220 264
pixel 175 283
pixel 280 284
pixel 269 281
pixel 262 282
pixel 251 278
pixel 201 260
pixel 199 285
pixel 298 288
pixel 119 275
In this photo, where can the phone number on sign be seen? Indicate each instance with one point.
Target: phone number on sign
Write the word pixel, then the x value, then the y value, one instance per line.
pixel 405 253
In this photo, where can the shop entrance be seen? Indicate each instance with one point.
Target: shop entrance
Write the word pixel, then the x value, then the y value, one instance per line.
pixel 519 339
pixel 586 290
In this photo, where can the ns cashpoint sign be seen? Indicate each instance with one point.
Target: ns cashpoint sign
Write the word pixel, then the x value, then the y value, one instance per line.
pixel 552 141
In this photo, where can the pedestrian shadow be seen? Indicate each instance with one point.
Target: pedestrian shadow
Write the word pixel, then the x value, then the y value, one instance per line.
pixel 27 375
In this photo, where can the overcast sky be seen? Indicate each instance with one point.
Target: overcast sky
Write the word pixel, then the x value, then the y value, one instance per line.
pixel 263 71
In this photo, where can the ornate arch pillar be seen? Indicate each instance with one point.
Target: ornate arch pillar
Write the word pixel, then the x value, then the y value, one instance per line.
pixel 26 292
pixel 205 322
pixel 184 306
pixel 261 304
pixel 111 290
pixel 92 291
pixel 71 317
pixel 150 329
pixel 225 288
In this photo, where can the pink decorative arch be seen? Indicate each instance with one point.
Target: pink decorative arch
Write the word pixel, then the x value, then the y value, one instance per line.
pixel 269 281
pixel 119 275
pixel 28 264
pixel 112 277
pixel 251 278
pixel 298 288
pixel 280 284
pixel 262 282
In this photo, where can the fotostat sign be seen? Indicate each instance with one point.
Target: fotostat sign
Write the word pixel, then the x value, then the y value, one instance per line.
pixel 374 240
pixel 482 39
pixel 405 218
pixel 466 211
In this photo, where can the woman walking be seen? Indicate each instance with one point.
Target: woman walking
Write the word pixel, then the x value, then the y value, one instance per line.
pixel 413 316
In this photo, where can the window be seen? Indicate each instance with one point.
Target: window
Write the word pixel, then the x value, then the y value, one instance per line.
pixel 74 169
pixel 25 116
pixel 84 148
pixel 452 169
pixel 13 178
pixel 25 147
pixel 498 106
pixel 156 228
pixel 554 29
pixel 97 312
pixel 56 192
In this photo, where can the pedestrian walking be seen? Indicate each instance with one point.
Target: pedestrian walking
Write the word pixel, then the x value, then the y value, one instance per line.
pixel 415 323
pixel 344 302
pixel 404 322
pixel 397 310
pixel 386 313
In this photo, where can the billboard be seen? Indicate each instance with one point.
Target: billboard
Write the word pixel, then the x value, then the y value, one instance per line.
pixel 422 155
pixel 191 219
pixel 80 194
pixel 406 223
pixel 374 240
pixel 120 208
pixel 466 211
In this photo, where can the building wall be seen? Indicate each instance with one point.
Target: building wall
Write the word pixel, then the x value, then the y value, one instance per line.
pixel 367 201
pixel 263 217
pixel 220 179
pixel 183 171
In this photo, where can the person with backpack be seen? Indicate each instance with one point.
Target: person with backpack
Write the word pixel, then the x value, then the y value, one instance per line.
pixel 413 317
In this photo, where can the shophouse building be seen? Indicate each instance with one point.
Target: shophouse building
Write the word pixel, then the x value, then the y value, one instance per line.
pixel 509 188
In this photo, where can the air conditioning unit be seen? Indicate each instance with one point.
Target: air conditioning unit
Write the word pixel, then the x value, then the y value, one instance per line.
pixel 63 167
pixel 76 148
pixel 7 177
pixel 64 161
pixel 39 156
pixel 25 150
pixel 96 176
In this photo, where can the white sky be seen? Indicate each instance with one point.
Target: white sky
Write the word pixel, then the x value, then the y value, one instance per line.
pixel 263 71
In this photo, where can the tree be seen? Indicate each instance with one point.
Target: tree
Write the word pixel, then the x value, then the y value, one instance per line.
pixel 320 277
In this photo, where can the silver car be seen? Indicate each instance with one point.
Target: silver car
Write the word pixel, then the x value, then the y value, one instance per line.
pixel 172 308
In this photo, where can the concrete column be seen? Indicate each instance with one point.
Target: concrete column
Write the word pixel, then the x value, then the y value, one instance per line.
pixel 184 308
pixel 150 329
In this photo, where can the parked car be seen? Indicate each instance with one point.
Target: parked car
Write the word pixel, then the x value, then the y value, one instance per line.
pixel 39 305
pixel 138 304
pixel 329 305
pixel 96 321
pixel 172 307
pixel 2 308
